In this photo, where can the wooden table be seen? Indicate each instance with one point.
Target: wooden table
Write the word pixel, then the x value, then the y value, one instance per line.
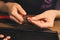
pixel 56 27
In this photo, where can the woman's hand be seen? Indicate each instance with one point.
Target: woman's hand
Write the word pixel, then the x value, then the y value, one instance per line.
pixel 16 12
pixel 44 20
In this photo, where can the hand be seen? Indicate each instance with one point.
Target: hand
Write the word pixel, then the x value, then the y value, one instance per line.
pixel 16 12
pixel 44 20
pixel 6 38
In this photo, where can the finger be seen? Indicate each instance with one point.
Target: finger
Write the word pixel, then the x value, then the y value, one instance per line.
pixel 8 37
pixel 21 10
pixel 38 23
pixel 45 24
pixel 38 17
pixel 16 15
pixel 13 18
pixel 51 22
pixel 41 23
pixel 1 35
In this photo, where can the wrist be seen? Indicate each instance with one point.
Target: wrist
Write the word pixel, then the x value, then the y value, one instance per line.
pixel 53 12
pixel 3 7
pixel 58 14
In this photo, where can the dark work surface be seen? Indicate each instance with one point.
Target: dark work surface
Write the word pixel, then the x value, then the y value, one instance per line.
pixel 29 35
pixel 27 31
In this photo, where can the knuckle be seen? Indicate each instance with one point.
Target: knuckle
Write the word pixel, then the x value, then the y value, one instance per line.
pixel 10 17
pixel 16 4
pixel 52 24
pixel 11 13
pixel 41 26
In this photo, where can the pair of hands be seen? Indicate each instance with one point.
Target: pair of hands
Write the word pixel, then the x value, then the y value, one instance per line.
pixel 43 20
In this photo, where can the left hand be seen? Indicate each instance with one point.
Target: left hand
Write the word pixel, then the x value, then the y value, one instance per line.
pixel 44 20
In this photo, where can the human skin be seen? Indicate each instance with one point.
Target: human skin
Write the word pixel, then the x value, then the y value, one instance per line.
pixel 5 38
pixel 45 19
pixel 15 11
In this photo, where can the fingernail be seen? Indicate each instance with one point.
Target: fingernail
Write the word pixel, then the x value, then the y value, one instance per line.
pixel 25 13
pixel 20 22
pixel 28 18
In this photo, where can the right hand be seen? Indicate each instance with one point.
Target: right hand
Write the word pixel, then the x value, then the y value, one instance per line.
pixel 16 12
pixel 44 20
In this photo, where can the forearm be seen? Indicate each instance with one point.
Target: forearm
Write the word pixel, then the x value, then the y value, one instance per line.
pixel 3 7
